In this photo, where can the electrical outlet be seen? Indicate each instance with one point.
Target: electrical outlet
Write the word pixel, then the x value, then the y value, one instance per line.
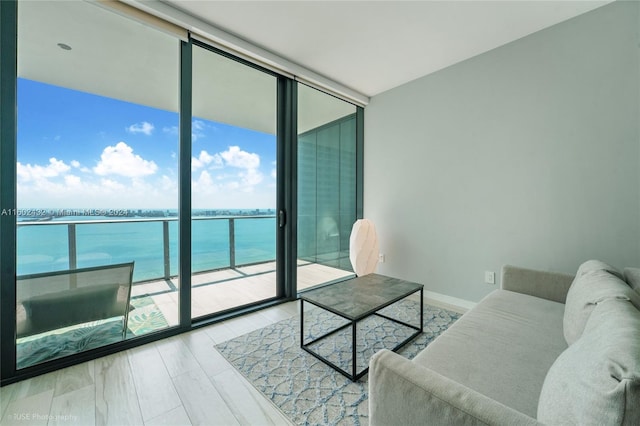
pixel 381 258
pixel 489 277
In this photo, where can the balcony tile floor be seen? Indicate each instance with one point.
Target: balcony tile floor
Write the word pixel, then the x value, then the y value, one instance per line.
pixel 228 288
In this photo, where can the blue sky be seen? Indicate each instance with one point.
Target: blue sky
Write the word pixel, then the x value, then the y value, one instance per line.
pixel 78 150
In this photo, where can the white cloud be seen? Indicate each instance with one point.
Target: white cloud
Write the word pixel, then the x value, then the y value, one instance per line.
pixel 173 130
pixel 197 129
pixel 120 160
pixel 235 157
pixel 204 180
pixel 75 163
pixel 251 177
pixel 111 185
pixel 198 125
pixel 205 159
pixel 243 181
pixel 28 172
pixel 168 185
pixel 72 181
pixel 203 187
pixel 54 186
pixel 144 127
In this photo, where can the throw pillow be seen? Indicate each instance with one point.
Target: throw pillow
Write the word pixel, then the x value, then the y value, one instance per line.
pixel 632 277
pixel 597 379
pixel 585 292
pixel 597 265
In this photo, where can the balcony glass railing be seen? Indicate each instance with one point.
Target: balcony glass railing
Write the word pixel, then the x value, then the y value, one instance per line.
pixel 217 243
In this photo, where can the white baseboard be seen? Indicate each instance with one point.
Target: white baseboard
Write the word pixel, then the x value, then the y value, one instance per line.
pixel 448 302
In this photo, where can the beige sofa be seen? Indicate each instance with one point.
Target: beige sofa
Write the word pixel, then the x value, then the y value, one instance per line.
pixel 546 348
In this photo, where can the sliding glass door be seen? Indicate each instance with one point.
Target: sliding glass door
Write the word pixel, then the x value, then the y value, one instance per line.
pixel 97 189
pixel 233 164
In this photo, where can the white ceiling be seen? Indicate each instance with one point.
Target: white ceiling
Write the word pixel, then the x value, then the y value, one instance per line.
pixel 373 46
pixel 368 46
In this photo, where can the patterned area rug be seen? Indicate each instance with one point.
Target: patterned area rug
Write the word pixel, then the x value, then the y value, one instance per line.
pixel 145 318
pixel 310 392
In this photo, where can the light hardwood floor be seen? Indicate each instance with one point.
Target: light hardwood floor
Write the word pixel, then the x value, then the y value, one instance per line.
pixel 181 380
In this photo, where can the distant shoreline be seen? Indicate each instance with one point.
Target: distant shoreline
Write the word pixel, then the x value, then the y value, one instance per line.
pixel 45 215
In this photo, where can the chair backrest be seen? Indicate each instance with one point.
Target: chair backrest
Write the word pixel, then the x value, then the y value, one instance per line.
pixel 53 300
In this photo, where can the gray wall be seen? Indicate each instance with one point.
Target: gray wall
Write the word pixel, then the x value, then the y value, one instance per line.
pixel 528 155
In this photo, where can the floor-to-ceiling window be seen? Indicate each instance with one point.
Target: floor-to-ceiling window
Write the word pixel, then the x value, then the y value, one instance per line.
pixel 327 151
pixel 234 145
pixel 97 186
pixel 99 179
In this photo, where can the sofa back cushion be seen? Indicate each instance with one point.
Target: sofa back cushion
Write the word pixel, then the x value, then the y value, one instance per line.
pixel 588 289
pixel 597 379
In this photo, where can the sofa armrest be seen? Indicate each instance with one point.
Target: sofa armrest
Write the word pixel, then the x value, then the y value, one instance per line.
pixel 547 285
pixel 402 392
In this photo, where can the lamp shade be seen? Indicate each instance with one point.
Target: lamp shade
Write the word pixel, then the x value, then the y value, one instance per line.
pixel 363 247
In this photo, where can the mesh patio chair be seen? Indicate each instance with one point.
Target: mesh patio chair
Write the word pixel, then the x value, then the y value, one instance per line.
pixel 53 300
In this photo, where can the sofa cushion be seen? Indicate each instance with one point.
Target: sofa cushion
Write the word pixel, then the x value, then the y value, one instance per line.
pixel 597 380
pixel 502 348
pixel 632 277
pixel 585 292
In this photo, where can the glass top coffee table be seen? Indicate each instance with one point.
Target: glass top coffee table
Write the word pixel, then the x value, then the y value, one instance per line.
pixel 355 300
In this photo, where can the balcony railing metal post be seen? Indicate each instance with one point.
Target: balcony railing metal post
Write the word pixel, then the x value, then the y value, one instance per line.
pixel 73 253
pixel 232 243
pixel 165 244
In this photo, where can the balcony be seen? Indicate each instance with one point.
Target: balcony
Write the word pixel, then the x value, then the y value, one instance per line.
pixel 233 258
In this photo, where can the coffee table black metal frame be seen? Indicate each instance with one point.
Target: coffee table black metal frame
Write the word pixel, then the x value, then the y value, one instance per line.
pixel 342 299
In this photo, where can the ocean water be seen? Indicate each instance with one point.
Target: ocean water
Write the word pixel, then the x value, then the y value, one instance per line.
pixel 44 247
